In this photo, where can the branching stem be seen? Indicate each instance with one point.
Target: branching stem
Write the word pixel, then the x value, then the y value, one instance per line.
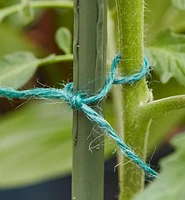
pixel 5 12
pixel 55 59
pixel 161 106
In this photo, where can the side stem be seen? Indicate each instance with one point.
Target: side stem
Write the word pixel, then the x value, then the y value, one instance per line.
pixel 130 35
pixel 5 12
pixel 161 106
pixel 55 59
pixel 89 75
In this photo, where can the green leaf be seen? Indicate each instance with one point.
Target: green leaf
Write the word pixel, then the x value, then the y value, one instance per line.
pixel 162 126
pixel 63 38
pixel 17 41
pixel 161 15
pixel 27 13
pixel 180 4
pixel 17 68
pixel 171 181
pixel 5 3
pixel 36 144
pixel 168 51
pixel 156 12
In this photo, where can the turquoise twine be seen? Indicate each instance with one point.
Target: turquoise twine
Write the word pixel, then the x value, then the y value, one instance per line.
pixel 80 101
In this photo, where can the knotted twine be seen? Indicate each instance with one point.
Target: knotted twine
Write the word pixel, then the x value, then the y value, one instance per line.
pixel 80 102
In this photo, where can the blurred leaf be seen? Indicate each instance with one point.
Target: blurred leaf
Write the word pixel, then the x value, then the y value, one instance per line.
pixel 63 38
pixel 164 126
pixel 27 13
pixel 36 144
pixel 11 40
pixel 156 13
pixel 160 15
pixel 171 181
pixel 17 68
pixel 5 3
pixel 168 50
pixel 180 4
pixel 178 25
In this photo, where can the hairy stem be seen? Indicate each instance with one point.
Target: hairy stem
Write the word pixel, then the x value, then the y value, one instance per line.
pixel 130 34
pixel 161 106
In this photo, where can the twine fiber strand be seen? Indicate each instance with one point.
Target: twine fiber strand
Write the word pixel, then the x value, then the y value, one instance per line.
pixel 80 101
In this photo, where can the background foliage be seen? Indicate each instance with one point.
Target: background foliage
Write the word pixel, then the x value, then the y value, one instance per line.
pixel 35 137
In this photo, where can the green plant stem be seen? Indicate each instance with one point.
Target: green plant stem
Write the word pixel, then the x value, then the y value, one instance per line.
pixel 130 16
pixel 4 12
pixel 55 59
pixel 162 106
pixel 89 75
pixel 52 4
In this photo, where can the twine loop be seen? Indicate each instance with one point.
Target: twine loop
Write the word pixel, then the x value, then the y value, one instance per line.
pixel 81 101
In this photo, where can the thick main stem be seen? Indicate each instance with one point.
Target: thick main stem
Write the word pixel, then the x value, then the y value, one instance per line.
pixel 89 76
pixel 131 24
